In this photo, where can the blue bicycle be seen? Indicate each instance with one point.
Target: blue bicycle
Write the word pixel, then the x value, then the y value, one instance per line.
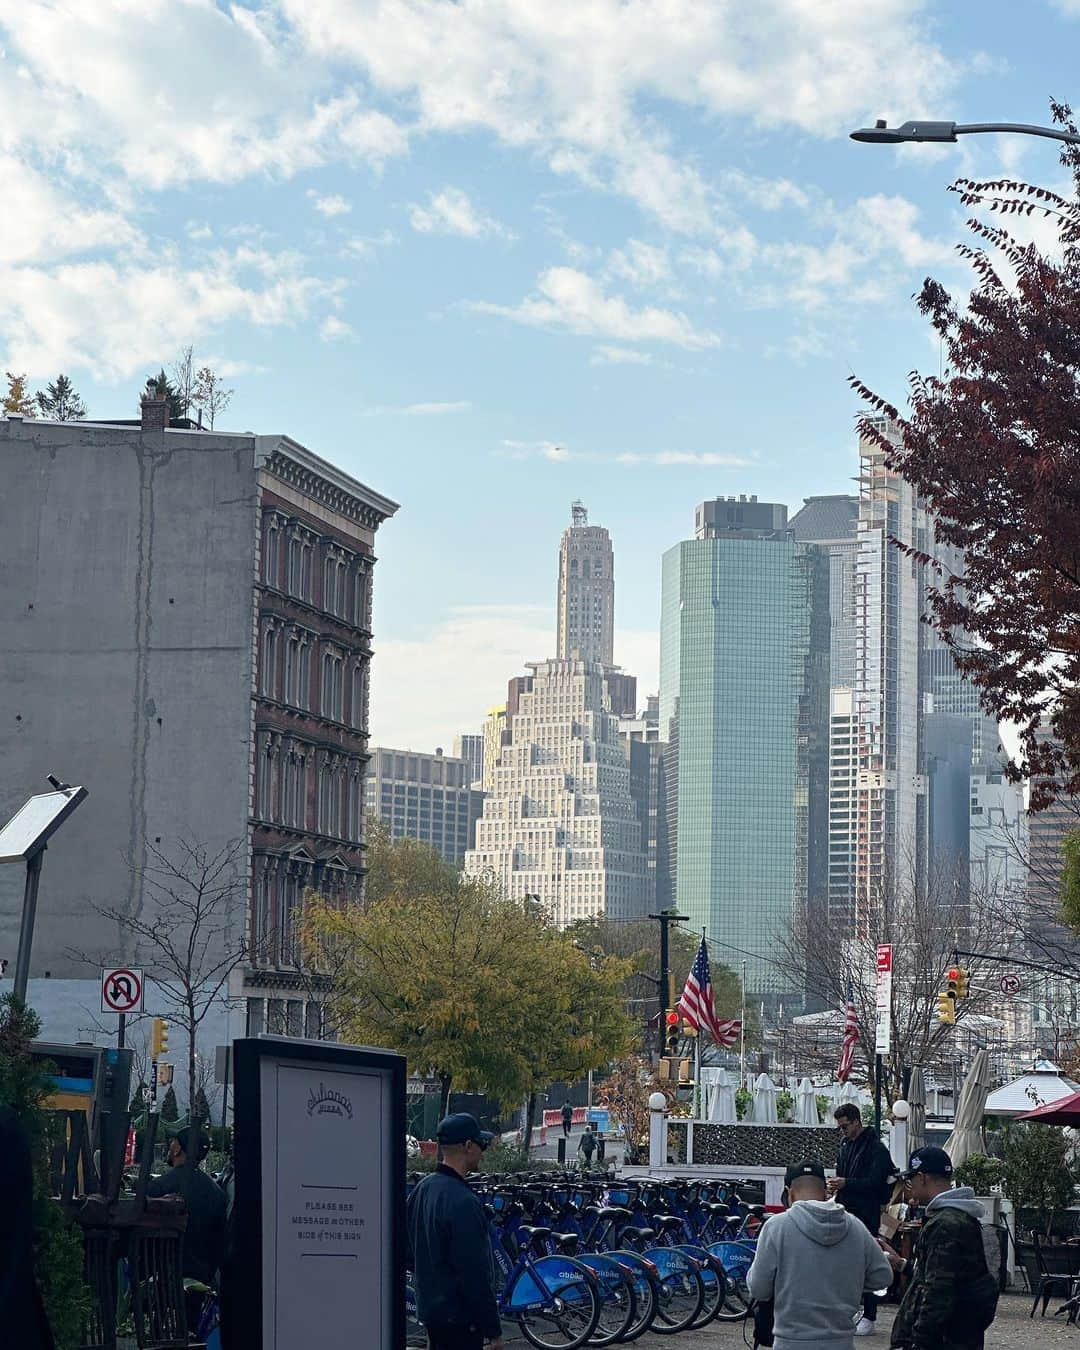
pixel 555 1300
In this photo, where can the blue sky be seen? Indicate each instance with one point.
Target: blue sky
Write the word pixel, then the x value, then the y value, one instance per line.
pixel 494 256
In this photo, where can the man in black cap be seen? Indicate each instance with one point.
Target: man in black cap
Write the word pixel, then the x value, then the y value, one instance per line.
pixel 204 1200
pixel 816 1263
pixel 449 1249
pixel 952 1297
pixel 865 1173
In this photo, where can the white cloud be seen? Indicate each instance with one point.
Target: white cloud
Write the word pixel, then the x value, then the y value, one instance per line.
pixel 330 206
pixel 572 301
pixel 451 212
pixel 561 454
pixel 419 409
pixel 619 356
pixel 579 80
pixel 333 329
pixel 692 458
pixel 476 649
pixel 367 246
pixel 106 315
pixel 642 264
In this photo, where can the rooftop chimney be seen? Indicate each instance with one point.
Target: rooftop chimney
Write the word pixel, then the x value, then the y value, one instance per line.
pixel 155 408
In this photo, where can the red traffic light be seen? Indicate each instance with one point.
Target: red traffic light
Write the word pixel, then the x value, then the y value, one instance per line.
pixel 953 973
pixel 672 1019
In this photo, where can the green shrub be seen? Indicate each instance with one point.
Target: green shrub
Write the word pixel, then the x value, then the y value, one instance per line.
pixel 1038 1174
pixel 58 1250
pixel 981 1173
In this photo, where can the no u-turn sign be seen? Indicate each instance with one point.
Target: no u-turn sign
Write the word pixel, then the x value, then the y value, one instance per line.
pixel 121 990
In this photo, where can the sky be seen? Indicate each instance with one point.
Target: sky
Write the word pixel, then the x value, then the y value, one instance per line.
pixel 493 256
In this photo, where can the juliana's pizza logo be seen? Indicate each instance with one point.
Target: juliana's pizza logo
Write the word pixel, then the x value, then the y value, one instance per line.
pixel 326 1102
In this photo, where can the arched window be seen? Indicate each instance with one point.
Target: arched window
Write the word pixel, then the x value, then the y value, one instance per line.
pixel 268 674
pixel 332 686
pixel 358 696
pixel 271 559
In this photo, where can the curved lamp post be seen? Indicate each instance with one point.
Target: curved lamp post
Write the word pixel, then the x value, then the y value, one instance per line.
pixel 882 134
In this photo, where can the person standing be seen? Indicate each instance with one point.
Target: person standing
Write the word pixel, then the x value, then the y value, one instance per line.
pixel 23 1322
pixel 865 1173
pixel 449 1251
pixel 204 1200
pixel 816 1263
pixel 567 1118
pixel 952 1297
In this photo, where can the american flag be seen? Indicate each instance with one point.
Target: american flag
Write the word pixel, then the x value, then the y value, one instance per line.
pixel 696 1003
pixel 851 1038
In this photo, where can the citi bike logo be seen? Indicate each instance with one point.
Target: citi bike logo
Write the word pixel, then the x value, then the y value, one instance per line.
pixel 325 1101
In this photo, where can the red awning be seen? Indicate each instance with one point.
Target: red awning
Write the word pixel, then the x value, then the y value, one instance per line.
pixel 1065 1111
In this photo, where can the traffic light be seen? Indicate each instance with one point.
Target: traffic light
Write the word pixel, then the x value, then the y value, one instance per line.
pixel 671 1032
pixel 962 981
pixel 946 1009
pixel 159 1038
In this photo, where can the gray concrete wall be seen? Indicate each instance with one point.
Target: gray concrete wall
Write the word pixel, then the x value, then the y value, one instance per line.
pixel 126 620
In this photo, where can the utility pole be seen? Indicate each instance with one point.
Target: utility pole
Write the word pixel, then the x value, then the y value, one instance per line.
pixel 665 918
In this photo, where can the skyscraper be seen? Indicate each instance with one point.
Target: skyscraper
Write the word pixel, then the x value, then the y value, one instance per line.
pixel 559 821
pixel 425 797
pixel 586 613
pixel 470 748
pixel 743 682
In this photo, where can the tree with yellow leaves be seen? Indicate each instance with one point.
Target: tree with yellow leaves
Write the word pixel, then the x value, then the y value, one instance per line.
pixel 475 988
pixel 17 400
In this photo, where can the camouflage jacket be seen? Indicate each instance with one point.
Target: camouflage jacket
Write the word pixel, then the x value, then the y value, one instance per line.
pixel 948 1256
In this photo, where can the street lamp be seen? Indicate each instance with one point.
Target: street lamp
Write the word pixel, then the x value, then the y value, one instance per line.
pixel 882 134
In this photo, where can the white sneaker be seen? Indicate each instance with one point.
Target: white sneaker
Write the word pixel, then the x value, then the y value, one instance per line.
pixel 864 1327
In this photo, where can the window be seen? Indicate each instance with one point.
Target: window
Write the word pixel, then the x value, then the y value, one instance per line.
pixel 271 559
pixel 361 597
pixel 265 807
pixel 256 1016
pixel 300 554
pixel 313 1025
pixel 330 800
pixel 268 678
pixel 332 686
pixel 358 697
pixel 297 671
pixel 354 826
pixel 335 574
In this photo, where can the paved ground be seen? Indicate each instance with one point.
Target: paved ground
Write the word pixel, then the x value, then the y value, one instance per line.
pixel 1011 1331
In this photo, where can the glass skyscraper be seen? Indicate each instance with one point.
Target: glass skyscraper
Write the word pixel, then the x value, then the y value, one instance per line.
pixel 745 666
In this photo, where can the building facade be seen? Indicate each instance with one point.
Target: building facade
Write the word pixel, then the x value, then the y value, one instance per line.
pixel 425 797
pixel 470 748
pixel 559 822
pixel 213 592
pixel 743 686
pixel 586 597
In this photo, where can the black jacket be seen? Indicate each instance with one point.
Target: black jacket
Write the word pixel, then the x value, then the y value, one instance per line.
pixel 450 1255
pixel 206 1205
pixel 22 1315
pixel 867 1167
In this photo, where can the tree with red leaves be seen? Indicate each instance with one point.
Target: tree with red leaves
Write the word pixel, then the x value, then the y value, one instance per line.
pixel 993 446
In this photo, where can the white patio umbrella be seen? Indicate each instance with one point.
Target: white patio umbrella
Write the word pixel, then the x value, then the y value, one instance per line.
pixel 722 1106
pixel 916 1099
pixel 967 1136
pixel 806 1109
pixel 849 1094
pixel 764 1103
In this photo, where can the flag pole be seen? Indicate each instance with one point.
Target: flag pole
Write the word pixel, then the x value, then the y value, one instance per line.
pixel 742 1033
pixel 697 1060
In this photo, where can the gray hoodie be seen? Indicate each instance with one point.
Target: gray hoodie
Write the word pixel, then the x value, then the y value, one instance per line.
pixel 816 1262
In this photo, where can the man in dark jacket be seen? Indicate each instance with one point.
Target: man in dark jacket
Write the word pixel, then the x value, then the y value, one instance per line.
pixel 865 1173
pixel 22 1316
pixel 449 1251
pixel 950 1282
pixel 567 1118
pixel 205 1202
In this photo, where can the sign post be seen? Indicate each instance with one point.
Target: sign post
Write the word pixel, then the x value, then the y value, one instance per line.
pixel 319 1151
pixel 121 992
pixel 883 1030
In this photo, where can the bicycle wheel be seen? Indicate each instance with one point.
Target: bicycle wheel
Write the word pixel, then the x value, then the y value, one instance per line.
pixel 561 1306
pixel 618 1306
pixel 736 1262
pixel 714 1280
pixel 646 1294
pixel 682 1291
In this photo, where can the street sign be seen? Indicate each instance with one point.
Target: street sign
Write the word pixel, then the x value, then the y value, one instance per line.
pixel 121 990
pixel 883 1036
pixel 1010 984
